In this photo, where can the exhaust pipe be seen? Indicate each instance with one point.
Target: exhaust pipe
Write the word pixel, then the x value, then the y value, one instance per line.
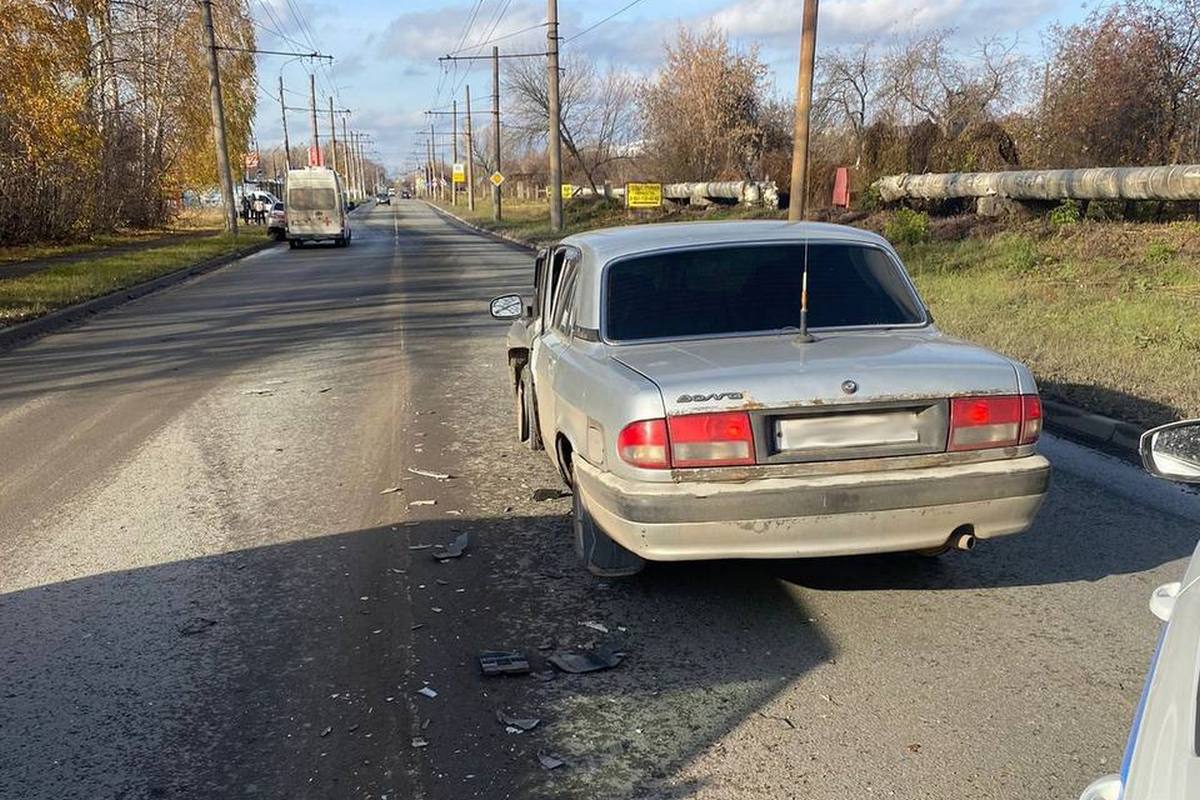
pixel 962 541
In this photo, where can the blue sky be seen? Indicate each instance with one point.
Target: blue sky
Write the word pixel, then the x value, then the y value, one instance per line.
pixel 385 51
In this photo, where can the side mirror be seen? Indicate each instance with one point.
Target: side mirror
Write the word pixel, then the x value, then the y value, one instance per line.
pixel 507 306
pixel 1173 451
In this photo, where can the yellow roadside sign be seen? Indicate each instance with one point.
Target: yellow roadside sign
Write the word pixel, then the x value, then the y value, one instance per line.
pixel 643 195
pixel 459 173
pixel 496 178
pixel 568 191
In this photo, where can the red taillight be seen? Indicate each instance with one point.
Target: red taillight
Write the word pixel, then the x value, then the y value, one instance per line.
pixel 711 440
pixel 644 444
pixel 694 440
pixel 1031 418
pixel 977 423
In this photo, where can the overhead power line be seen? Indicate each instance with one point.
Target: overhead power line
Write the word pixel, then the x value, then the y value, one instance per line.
pixel 591 28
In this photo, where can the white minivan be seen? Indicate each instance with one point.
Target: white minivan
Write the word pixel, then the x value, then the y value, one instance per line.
pixel 316 207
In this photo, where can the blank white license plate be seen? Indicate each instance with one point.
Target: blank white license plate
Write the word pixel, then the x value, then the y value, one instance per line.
pixel 847 430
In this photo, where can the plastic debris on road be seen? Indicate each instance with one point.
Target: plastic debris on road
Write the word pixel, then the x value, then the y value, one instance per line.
pixel 594 661
pixel 425 473
pixel 393 490
pixel 423 503
pixel 519 724
pixel 549 760
pixel 198 625
pixel 428 692
pixel 503 662
pixel 596 626
pixel 454 549
pixel 419 742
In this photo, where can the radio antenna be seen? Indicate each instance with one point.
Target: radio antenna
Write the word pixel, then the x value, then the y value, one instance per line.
pixel 804 336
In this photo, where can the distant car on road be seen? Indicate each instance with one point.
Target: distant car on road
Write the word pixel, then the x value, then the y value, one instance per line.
pixel 1162 754
pixel 406 195
pixel 383 199
pixel 391 191
pixel 277 222
pixel 316 207
pixel 662 369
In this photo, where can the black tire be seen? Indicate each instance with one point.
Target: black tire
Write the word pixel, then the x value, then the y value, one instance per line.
pixel 603 557
pixel 339 242
pixel 293 243
pixel 534 439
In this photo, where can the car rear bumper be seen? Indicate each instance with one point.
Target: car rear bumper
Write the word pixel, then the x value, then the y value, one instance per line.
pixel 826 515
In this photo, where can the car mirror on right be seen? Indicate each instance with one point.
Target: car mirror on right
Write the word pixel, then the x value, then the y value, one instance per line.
pixel 1173 451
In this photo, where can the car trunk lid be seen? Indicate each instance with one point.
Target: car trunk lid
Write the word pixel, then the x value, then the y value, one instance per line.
pixel 846 395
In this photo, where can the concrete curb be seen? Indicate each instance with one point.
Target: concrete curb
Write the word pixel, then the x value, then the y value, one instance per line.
pixel 58 319
pixel 1092 429
pixel 503 237
pixel 1066 420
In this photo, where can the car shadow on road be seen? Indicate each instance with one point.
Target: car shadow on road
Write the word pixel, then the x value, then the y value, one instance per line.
pixel 291 669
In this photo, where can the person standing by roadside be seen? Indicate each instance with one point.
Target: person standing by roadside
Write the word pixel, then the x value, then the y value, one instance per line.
pixel 260 211
pixel 246 209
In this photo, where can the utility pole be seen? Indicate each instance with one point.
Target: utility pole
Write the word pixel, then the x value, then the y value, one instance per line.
pixel 287 147
pixel 453 150
pixel 496 212
pixel 333 136
pixel 218 120
pixel 798 199
pixel 433 165
pixel 556 203
pixel 312 108
pixel 470 158
pixel 346 151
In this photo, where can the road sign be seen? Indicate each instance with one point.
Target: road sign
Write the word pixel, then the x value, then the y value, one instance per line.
pixel 251 161
pixel 460 173
pixel 643 195
pixel 496 178
pixel 568 191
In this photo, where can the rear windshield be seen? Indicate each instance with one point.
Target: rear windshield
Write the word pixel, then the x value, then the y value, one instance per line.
pixel 755 288
pixel 311 199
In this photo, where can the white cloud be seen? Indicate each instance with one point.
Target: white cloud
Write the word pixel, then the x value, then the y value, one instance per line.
pixel 418 35
pixel 848 21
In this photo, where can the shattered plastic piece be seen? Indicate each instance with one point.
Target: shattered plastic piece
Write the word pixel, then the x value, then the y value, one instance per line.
pixel 596 626
pixel 393 490
pixel 454 549
pixel 198 625
pixel 417 627
pixel 501 662
pixel 324 389
pixel 260 392
pixel 549 760
pixel 419 742
pixel 541 495
pixel 455 513
pixel 520 723
pixel 425 473
pixel 428 692
pixel 598 659
pixel 423 503
pixel 419 546
pixel 327 731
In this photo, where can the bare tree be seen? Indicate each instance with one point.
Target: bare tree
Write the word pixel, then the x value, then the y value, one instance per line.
pixel 847 89
pixel 950 90
pixel 594 114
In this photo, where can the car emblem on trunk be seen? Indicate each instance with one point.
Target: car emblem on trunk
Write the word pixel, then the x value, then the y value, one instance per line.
pixel 849 387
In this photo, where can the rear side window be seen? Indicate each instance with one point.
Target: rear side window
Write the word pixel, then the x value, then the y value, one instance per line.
pixel 754 289
pixel 312 199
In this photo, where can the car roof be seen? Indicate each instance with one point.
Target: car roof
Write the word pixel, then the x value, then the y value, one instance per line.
pixel 607 244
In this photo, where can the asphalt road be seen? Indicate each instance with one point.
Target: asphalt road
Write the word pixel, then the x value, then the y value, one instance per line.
pixel 203 592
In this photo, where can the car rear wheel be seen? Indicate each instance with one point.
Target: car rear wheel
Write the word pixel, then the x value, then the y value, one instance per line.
pixel 339 242
pixel 602 556
pixel 293 243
